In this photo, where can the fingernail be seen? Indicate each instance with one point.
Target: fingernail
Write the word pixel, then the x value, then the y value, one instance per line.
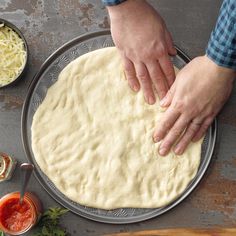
pixel 178 150
pixel 163 101
pixel 151 100
pixel 162 151
pixel 156 139
pixel 136 88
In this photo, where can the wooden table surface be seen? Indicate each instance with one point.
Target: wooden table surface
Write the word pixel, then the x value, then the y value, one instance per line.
pixel 46 26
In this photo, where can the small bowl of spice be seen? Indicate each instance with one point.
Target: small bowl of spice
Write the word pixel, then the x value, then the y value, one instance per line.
pixel 13 53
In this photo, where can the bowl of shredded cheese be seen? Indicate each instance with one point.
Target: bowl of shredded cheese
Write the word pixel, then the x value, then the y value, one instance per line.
pixel 13 53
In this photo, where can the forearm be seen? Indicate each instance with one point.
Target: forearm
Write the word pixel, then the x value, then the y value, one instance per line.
pixel 222 44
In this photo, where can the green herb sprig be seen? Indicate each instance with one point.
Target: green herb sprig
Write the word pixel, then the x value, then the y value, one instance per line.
pixel 49 225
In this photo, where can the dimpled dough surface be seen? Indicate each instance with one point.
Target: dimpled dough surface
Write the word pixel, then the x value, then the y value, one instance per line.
pixel 92 136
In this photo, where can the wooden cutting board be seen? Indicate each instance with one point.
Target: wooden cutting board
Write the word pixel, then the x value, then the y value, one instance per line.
pixel 182 232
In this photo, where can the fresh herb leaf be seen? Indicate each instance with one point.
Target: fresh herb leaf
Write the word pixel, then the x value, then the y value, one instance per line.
pixel 54 213
pixel 45 231
pixel 59 232
pixel 49 223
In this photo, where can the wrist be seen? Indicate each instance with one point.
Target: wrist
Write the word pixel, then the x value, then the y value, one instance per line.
pixel 225 72
pixel 125 8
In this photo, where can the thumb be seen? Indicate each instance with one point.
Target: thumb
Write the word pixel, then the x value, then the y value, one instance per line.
pixel 169 42
pixel 166 101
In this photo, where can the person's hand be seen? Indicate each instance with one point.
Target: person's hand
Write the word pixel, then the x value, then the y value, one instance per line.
pixel 144 42
pixel 200 90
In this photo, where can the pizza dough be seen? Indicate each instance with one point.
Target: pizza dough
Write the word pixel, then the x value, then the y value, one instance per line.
pixel 92 136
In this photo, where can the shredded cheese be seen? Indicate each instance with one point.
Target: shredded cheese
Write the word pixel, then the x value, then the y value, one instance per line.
pixel 12 55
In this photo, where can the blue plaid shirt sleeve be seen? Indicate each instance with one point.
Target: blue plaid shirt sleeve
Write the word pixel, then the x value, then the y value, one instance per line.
pixel 112 2
pixel 222 44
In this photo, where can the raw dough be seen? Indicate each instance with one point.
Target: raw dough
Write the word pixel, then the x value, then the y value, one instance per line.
pixel 92 136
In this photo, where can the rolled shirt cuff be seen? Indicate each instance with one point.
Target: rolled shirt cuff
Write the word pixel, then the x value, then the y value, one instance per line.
pixel 221 47
pixel 112 2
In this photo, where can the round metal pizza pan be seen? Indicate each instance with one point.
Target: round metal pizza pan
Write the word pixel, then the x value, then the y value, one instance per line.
pixel 47 76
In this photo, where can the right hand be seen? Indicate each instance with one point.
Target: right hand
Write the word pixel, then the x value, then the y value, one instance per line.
pixel 199 92
pixel 145 44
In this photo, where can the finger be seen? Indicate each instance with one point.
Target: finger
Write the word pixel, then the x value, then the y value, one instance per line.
pixel 173 135
pixel 157 78
pixel 130 74
pixel 145 81
pixel 166 101
pixel 167 121
pixel 169 42
pixel 203 129
pixel 167 68
pixel 187 137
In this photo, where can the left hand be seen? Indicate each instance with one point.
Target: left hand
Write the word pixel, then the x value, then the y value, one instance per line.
pixel 133 25
pixel 199 92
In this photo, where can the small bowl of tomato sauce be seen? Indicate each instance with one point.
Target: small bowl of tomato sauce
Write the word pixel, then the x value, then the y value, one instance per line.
pixel 17 218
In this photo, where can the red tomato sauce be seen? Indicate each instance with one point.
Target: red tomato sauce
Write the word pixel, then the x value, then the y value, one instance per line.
pixel 15 216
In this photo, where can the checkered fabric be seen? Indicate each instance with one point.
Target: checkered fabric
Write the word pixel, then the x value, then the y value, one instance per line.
pixel 112 2
pixel 222 44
